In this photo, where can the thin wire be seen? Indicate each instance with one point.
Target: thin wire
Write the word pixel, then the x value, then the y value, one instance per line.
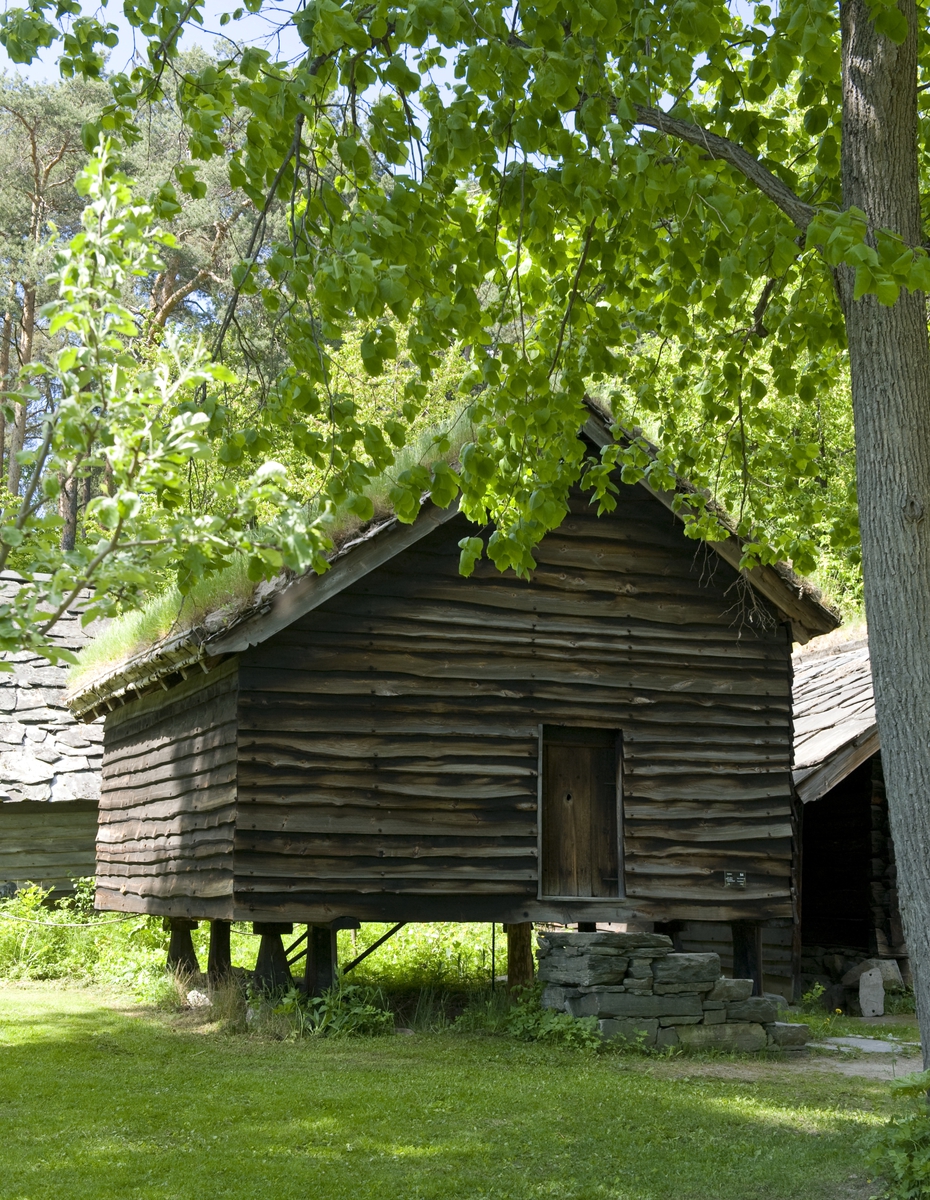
pixel 71 924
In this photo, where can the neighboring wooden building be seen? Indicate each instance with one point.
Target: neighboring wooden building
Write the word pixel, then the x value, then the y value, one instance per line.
pixel 848 906
pixel 849 898
pixel 609 741
pixel 49 769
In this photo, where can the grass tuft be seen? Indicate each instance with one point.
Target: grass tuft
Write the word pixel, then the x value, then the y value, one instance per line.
pixel 162 616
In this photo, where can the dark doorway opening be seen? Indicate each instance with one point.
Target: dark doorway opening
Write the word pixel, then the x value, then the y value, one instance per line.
pixel 836 864
pixel 580 822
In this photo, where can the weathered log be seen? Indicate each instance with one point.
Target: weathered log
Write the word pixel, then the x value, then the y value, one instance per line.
pixel 182 959
pixel 520 955
pixel 321 962
pixel 272 973
pixel 219 967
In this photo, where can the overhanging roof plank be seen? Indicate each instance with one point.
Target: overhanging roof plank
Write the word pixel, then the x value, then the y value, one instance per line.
pixel 814 782
pixel 808 617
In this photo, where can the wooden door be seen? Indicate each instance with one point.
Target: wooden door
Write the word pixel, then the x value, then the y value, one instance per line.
pixel 580 852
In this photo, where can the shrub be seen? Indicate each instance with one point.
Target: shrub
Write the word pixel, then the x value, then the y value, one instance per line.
pixel 68 940
pixel 902 1154
pixel 346 1010
pixel 900 1002
pixel 530 1022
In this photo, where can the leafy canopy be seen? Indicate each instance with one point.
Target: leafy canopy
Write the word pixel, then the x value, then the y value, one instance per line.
pixel 637 198
pixel 140 421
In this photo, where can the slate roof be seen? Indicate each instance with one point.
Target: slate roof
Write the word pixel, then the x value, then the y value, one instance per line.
pixel 45 754
pixel 834 715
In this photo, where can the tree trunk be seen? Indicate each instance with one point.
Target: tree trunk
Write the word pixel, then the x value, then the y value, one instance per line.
pixel 889 358
pixel 520 955
pixel 6 342
pixel 68 508
pixel 18 433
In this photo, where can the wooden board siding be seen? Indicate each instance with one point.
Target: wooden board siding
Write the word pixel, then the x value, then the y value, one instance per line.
pixel 168 800
pixel 388 741
pixel 706 937
pixel 48 844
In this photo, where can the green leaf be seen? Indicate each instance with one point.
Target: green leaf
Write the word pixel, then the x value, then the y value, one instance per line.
pixel 891 23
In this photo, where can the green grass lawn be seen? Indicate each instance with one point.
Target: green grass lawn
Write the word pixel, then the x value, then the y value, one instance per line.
pixel 105 1103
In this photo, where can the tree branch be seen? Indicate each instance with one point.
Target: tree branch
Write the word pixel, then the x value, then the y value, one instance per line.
pixel 720 147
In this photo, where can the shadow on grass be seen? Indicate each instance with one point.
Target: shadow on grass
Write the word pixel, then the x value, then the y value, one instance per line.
pixel 104 1105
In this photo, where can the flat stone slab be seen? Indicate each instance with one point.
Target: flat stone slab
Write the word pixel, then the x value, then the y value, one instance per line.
pixel 866 1045
pixel 731 989
pixel 756 1009
pixel 688 969
pixel 583 971
pixel 740 1037
pixel 603 941
pixel 605 1003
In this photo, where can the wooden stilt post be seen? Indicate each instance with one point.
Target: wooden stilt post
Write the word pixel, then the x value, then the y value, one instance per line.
pixel 181 956
pixel 520 955
pixel 587 926
pixel 747 953
pixel 271 970
pixel 320 973
pixel 219 967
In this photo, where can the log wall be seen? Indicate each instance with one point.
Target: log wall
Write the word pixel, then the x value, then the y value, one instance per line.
pixel 388 741
pixel 47 844
pixel 168 800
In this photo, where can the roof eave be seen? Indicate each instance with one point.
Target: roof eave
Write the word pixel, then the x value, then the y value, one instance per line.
pixel 808 616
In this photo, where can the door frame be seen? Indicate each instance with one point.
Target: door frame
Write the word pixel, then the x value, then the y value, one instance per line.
pixel 621 874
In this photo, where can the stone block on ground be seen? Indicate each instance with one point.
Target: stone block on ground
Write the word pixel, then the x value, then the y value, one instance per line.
pixel 731 989
pixel 715 1016
pixel 788 1035
pixel 746 1038
pixel 687 968
pixel 756 1008
pixel 887 967
pixel 667 1036
pixel 641 1032
pixel 871 993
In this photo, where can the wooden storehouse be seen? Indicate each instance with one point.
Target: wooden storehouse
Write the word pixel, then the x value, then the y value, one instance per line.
pixel 609 741
pixel 847 899
pixel 49 768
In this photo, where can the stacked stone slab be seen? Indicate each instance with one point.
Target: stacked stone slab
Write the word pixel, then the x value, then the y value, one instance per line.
pixel 45 754
pixel 49 766
pixel 642 992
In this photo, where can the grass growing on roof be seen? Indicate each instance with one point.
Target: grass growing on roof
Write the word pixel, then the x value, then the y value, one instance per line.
pixel 171 613
pixel 108 1103
pixel 162 616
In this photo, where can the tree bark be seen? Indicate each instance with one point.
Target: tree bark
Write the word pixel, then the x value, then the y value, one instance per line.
pixel 18 433
pixel 68 508
pixel 520 955
pixel 889 357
